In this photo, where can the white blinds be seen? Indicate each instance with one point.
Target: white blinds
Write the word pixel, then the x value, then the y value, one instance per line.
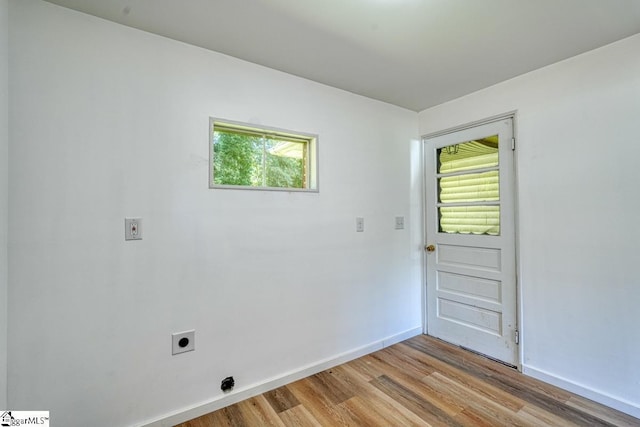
pixel 468 187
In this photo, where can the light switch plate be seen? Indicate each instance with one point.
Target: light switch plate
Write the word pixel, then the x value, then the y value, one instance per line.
pixel 359 224
pixel 399 223
pixel 133 229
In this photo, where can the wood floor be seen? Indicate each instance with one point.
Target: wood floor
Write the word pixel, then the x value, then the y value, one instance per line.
pixel 419 382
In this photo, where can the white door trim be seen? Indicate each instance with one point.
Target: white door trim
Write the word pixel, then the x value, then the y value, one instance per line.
pixel 508 115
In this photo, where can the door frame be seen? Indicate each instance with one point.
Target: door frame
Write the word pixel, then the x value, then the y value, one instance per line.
pixel 513 115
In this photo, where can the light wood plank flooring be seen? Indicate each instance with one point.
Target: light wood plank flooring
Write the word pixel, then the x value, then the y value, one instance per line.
pixel 419 382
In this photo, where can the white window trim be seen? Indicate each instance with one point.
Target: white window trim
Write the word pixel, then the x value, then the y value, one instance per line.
pixel 313 182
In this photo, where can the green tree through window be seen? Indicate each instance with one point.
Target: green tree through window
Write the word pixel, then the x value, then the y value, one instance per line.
pixel 251 158
pixel 234 160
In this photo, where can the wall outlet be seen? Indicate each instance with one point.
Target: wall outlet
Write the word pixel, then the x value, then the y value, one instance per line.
pixel 399 222
pixel 181 342
pixel 359 224
pixel 133 229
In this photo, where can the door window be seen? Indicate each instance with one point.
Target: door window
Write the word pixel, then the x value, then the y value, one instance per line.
pixel 469 187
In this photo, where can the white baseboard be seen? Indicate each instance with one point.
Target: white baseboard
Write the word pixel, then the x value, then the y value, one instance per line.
pixel 595 395
pixel 241 394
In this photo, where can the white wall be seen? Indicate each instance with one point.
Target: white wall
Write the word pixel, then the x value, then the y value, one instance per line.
pixel 577 160
pixel 4 187
pixel 108 122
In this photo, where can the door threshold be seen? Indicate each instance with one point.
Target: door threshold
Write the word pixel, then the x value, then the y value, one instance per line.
pixel 508 365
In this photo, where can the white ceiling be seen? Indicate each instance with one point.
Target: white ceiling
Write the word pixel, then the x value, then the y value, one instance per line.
pixel 411 53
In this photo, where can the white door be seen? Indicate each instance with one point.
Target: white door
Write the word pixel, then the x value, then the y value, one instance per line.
pixel 470 242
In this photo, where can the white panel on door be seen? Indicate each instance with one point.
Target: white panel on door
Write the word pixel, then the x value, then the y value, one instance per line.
pixel 475 287
pixel 475 317
pixel 468 256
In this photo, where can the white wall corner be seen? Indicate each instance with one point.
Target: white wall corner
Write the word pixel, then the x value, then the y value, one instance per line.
pixel 241 394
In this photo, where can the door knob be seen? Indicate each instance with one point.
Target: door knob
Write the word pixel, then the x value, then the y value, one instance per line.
pixel 430 248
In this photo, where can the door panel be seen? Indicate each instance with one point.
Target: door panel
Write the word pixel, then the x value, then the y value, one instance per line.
pixel 468 315
pixel 471 282
pixel 473 287
pixel 469 257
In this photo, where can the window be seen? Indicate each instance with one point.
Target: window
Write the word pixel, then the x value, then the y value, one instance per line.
pixel 469 187
pixel 243 156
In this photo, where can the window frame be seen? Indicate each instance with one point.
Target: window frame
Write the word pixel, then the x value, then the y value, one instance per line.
pixel 311 148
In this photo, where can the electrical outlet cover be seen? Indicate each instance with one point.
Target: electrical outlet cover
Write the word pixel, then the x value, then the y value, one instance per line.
pixel 133 229
pixel 182 342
